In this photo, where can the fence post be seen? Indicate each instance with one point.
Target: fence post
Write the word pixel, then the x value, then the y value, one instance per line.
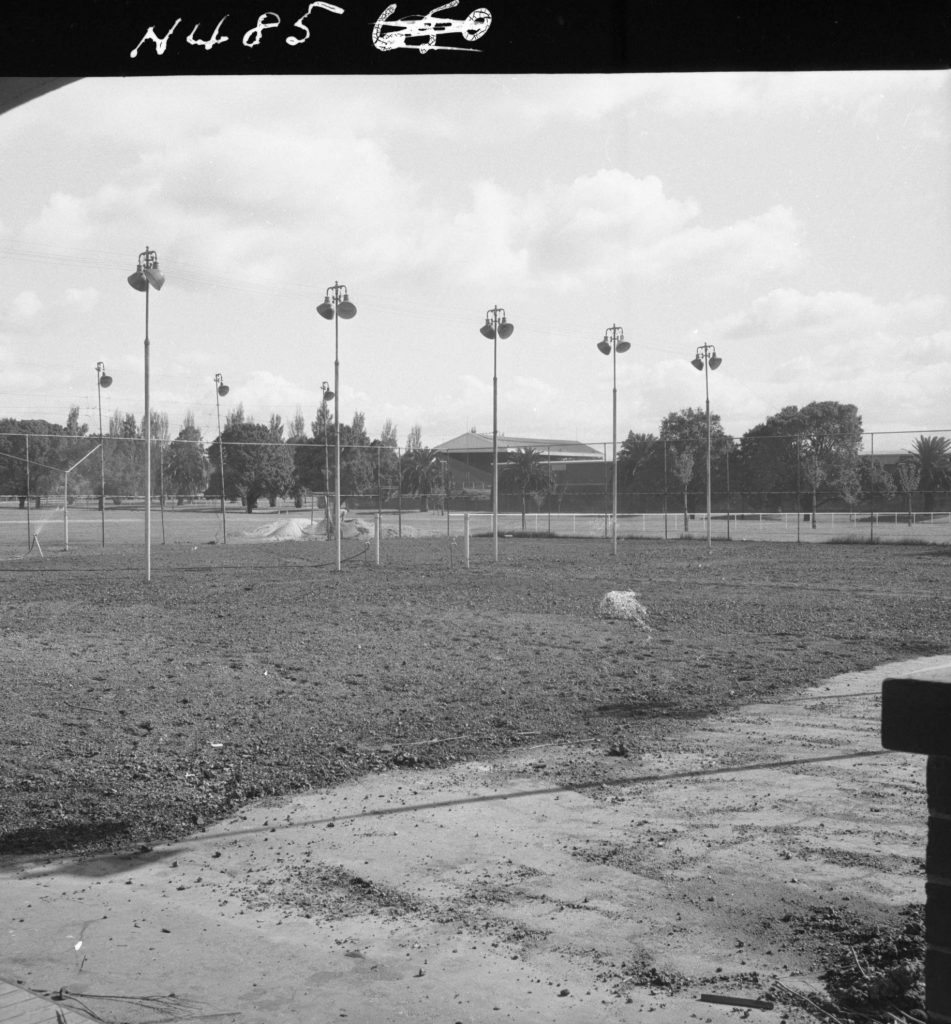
pixel 29 530
pixel 379 527
pixel 871 514
pixel 465 535
pixel 665 490
pixel 914 717
pixel 798 490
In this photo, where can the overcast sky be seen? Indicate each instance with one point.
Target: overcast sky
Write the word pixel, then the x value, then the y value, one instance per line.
pixel 800 222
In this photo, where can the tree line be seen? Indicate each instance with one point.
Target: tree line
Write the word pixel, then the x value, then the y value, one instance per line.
pixel 798 458
pixel 259 461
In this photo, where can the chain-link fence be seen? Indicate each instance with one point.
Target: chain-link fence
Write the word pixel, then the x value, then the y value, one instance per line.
pixel 81 490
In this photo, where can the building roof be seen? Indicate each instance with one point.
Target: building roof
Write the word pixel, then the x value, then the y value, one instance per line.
pixel 472 443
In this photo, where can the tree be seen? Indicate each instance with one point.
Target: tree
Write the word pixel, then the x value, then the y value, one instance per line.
pixel 817 444
pixel 159 442
pixel 877 481
pixel 313 456
pixel 388 434
pixel 298 426
pixel 685 432
pixel 414 438
pixel 421 474
pixel 908 478
pixel 41 442
pixel 768 462
pixel 830 436
pixel 932 457
pixel 124 457
pixel 278 485
pixel 357 461
pixel 236 416
pixel 526 472
pixel 255 465
pixel 682 467
pixel 73 447
pixel 640 466
pixel 187 467
pixel 388 460
pixel 299 442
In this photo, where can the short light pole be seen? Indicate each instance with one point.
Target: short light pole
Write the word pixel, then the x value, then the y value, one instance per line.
pixel 328 395
pixel 707 359
pixel 103 380
pixel 495 327
pixel 147 274
pixel 221 389
pixel 612 343
pixel 337 305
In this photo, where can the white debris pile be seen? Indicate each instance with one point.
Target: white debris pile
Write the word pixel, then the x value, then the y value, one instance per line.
pixel 623 604
pixel 285 528
pixel 296 528
pixel 356 528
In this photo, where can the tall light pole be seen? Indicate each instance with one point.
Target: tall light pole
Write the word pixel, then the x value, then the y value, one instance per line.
pixel 612 343
pixel 328 394
pixel 103 380
pixel 337 305
pixel 147 274
pixel 221 389
pixel 707 359
pixel 495 327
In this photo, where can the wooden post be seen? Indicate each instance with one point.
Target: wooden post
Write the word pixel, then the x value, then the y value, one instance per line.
pixel 916 718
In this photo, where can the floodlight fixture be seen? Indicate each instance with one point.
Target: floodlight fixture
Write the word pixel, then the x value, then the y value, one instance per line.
pixel 147 272
pixel 496 326
pixel 146 276
pixel 707 359
pixel 612 343
pixel 221 389
pixel 103 380
pixel 337 306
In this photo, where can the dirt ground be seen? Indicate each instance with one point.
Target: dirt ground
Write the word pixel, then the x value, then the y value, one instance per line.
pixel 734 856
pixel 137 712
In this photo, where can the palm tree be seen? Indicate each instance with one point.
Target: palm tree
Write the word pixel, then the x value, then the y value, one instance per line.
pixel 421 474
pixel 932 456
pixel 526 473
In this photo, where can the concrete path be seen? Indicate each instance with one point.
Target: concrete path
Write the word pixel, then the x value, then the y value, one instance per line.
pixel 557 884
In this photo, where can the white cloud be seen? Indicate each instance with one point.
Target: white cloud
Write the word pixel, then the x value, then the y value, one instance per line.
pixel 767 243
pixel 610 224
pixel 64 222
pixel 786 312
pixel 737 93
pixel 719 94
pixel 85 299
pixel 890 359
pixel 25 306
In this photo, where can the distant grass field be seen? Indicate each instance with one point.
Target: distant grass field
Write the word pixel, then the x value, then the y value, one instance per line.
pixel 81 528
